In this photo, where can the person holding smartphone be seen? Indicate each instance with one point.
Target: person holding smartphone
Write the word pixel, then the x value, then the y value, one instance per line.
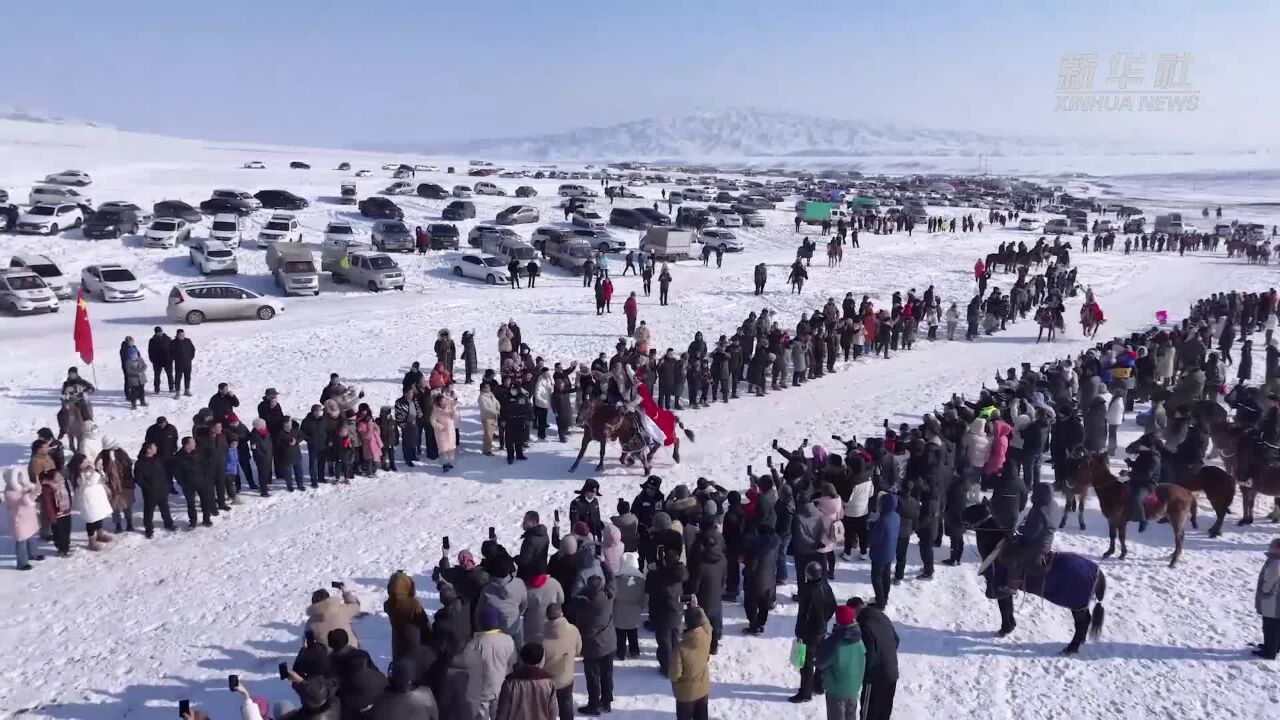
pixel 332 613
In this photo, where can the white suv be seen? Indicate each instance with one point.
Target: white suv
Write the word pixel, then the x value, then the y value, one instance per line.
pixel 166 233
pixel 240 195
pixel 47 270
pixel 213 256
pixel 339 231
pixel 55 194
pixel 22 291
pixel 50 219
pixel 195 302
pixel 226 228
pixel 280 228
pixel 70 177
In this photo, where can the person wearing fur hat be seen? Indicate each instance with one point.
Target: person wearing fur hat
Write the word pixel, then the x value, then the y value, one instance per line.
pixel 628 526
pixel 586 508
pixel 488 657
pixel 117 474
pixel 842 662
pixel 816 606
pixel 691 667
pixel 505 594
pixel 707 567
pixel 644 506
pixel 529 692
pixel 21 497
pixel 94 502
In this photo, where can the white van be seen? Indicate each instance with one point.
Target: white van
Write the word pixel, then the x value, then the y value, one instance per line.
pixel 575 190
pixel 293 267
pixel 227 227
pixel 507 248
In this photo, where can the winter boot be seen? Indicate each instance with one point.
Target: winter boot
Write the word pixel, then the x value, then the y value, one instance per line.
pixel 104 536
pixel 94 545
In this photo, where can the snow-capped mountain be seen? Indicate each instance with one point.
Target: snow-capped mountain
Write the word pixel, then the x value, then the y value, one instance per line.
pixel 746 134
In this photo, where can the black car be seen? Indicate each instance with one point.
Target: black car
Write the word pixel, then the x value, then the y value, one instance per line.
pixel 693 218
pixel 344 166
pixel 525 191
pixel 655 217
pixel 629 218
pixel 216 206
pixel 380 208
pixel 299 165
pixel 443 236
pixel 176 209
pixel 432 191
pixel 459 210
pixel 103 224
pixel 280 200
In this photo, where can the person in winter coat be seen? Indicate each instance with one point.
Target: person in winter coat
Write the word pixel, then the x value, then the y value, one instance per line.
pixel 817 604
pixel 628 606
pixel 55 506
pixel 691 667
pixel 631 309
pixel 506 596
pixel 488 657
pixel 542 389
pixel 586 508
pixel 326 614
pixel 135 378
pixel 880 680
pixel 1095 424
pixel 707 576
pixel 664 584
pixel 884 542
pixel 561 644
pixel 611 548
pixel 161 360
pixel 761 549
pixel 1115 416
pixel 451 626
pixel 404 699
pixel 319 702
pixel 94 503
pixel 998 451
pixel 1266 601
pixel 1033 538
pixel 151 476
pixel 534 545
pixel 490 414
pixel 403 611
pixel 389 432
pixel 593 614
pixel 186 468
pixel 529 692
pixel 263 455
pixel 21 499
pixel 831 511
pixel 444 423
pixel 1244 368
pixel 842 661
pixel 469 362
pixel 182 353
pixel 541 592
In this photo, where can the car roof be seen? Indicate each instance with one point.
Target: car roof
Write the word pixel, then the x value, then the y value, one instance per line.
pixel 480 255
pixel 370 253
pixel 339 223
pixel 33 259
pixel 208 283
pixel 230 190
pixel 282 216
pixel 107 266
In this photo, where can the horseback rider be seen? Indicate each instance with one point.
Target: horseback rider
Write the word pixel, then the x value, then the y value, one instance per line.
pixel 1144 474
pixel 1031 542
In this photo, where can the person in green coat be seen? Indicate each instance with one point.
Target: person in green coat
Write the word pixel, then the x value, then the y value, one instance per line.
pixel 842 658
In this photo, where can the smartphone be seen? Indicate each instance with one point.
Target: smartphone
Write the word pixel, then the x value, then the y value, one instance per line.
pixel 284 670
pixel 493 534
pixel 336 585
pixel 557 514
pixel 184 708
pixel 446 543
pixel 233 682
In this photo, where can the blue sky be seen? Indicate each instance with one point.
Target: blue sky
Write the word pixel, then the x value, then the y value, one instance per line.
pixel 368 71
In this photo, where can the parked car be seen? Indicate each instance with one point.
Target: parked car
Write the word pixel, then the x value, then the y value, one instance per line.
pixel 575 190
pixel 568 252
pixel 459 210
pixel 517 215
pixel 280 228
pixel 110 223
pixel 176 209
pixel 629 218
pixel 23 292
pixel 347 193
pixel 78 178
pixel 227 229
pixel 432 191
pixel 143 216
pixel 380 208
pixel 166 232
pixel 600 239
pixel 443 236
pixel 110 283
pixel 241 195
pixel 293 268
pixel 299 165
pixel 339 230
pixel 254 165
pixel 723 216
pixel 751 218
pixel 373 270
pixel 546 234
pixel 510 247
pixel 719 238
pixel 399 187
pixel 524 191
pixel 50 219
pixel 476 237
pixel 655 217
pixel 392 235
pixel 56 195
pixel 587 218
pixel 48 271
pixel 1058 226
pixel 1029 224
pixel 461 191
pixel 222 206
pixel 363 173
pixel 195 302
pixel 212 256
pixel 419 167
pixel 280 200
pixel 488 188
pixel 622 191
pixel 481 267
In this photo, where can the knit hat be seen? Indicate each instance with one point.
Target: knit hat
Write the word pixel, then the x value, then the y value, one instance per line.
pixel 661 522
pixel 694 617
pixel 814 571
pixel 569 545
pixel 466 560
pixel 532 653
pixel 555 611
pixel 488 618
pixel 581 528
pixel 624 507
pixel 845 615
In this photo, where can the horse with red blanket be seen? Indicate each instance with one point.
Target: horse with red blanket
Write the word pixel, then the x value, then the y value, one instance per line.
pixel 641 436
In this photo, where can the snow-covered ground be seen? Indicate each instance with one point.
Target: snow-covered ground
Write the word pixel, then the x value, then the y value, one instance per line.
pixel 128 632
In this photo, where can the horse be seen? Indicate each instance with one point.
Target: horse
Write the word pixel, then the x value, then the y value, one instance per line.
pixel 1167 500
pixel 1090 319
pixel 71 422
pixel 1074 495
pixel 1243 460
pixel 1047 320
pixel 1067 580
pixel 605 423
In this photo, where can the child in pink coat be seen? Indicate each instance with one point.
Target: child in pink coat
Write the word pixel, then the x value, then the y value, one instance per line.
pixel 20 496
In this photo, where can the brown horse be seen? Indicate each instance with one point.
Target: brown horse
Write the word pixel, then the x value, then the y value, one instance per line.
pixel 1218 485
pixel 1174 502
pixel 605 423
pixel 1243 461
pixel 1074 494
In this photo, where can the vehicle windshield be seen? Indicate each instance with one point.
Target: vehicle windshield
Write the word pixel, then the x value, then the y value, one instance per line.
pixel 299 266
pixel 381 262
pixel 395 227
pixel 442 230
pixel 117 275
pixel 493 262
pixel 223 226
pixel 47 270
pixel 579 251
pixel 523 253
pixel 278 226
pixel 26 282
pixel 43 210
pixel 164 225
pixel 339 230
pixel 218 254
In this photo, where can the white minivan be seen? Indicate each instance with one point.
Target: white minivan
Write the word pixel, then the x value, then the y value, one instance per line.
pixel 227 227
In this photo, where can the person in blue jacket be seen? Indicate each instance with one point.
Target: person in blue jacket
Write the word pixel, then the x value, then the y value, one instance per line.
pixel 884 545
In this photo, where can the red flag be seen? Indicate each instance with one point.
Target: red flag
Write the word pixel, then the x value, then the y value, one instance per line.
pixel 83 333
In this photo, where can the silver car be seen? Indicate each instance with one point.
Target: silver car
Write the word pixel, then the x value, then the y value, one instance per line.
pixel 373 270
pixel 391 235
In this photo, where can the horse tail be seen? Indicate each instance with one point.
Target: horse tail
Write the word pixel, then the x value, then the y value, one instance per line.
pixel 1099 615
pixel 687 432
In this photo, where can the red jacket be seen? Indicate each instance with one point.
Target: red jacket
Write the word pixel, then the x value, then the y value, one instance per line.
pixel 607 289
pixel 629 307
pixel 979 269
